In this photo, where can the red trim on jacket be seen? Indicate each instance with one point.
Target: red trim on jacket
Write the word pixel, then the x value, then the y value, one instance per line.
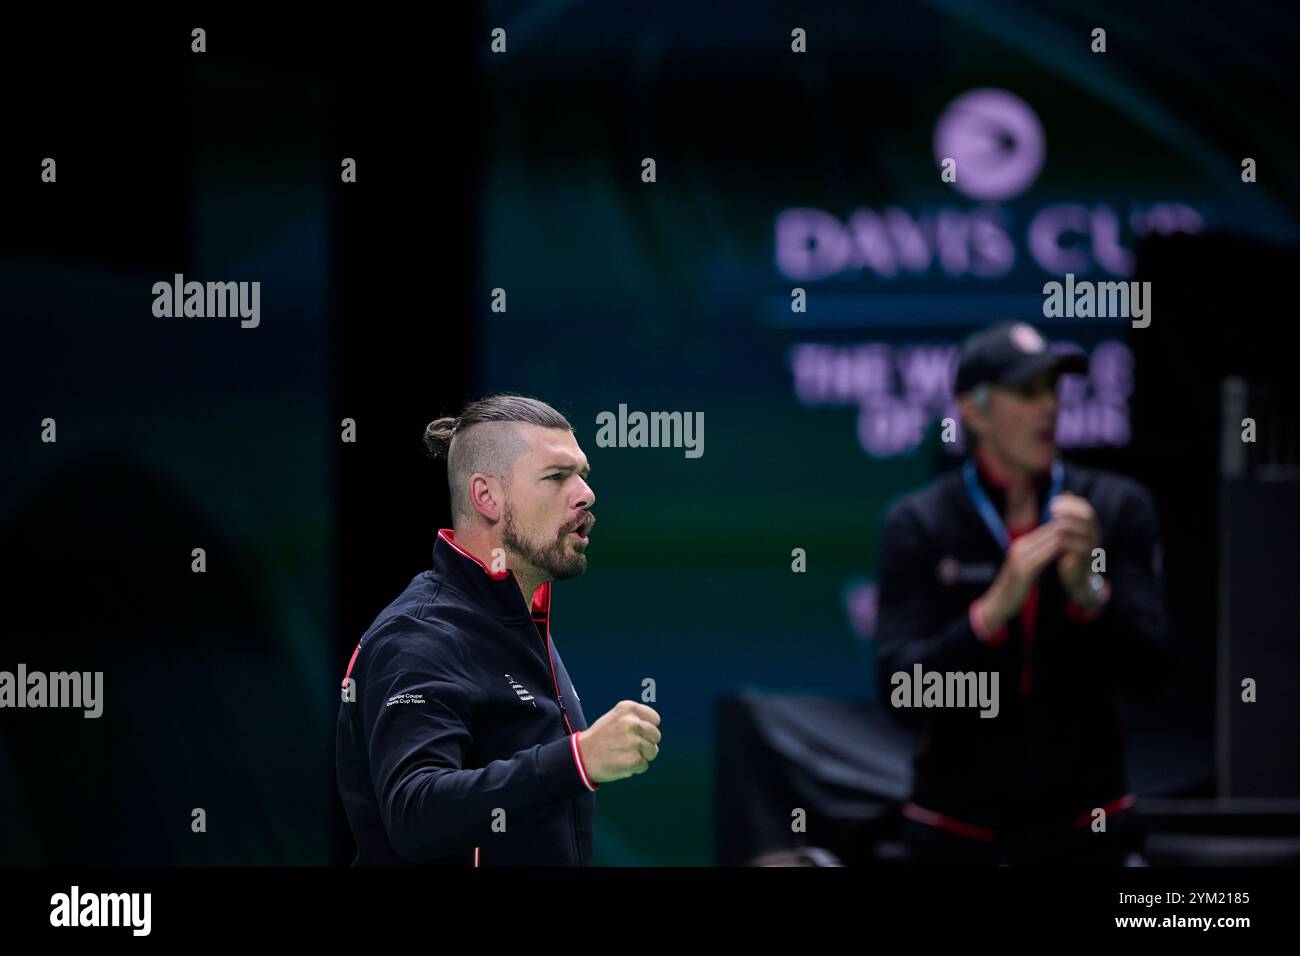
pixel 448 535
pixel 355 652
pixel 975 832
pixel 582 766
pixel 1028 619
pixel 952 825
pixel 1042 480
pixel 1120 803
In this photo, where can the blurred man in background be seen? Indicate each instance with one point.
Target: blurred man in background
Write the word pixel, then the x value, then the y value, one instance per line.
pixel 1045 579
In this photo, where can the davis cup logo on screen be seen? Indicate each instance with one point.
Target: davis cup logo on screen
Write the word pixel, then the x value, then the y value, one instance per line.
pixel 997 141
pixel 993 144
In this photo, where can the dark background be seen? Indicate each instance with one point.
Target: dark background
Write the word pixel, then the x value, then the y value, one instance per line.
pixel 221 688
pixel 523 172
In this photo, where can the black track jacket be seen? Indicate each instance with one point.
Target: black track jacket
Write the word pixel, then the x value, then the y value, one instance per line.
pixel 1054 751
pixel 460 747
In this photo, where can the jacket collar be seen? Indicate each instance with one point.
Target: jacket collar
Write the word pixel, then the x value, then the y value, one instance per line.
pixel 496 591
pixel 997 491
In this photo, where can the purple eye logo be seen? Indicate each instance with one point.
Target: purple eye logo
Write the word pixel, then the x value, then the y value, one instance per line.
pixel 997 141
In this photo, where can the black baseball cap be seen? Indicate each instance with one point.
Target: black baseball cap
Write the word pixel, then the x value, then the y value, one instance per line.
pixel 1011 353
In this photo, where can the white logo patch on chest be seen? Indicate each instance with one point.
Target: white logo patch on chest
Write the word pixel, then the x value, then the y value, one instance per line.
pixel 522 691
pixel 950 571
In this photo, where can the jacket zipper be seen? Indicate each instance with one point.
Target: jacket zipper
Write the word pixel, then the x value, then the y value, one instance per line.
pixel 564 714
pixel 555 682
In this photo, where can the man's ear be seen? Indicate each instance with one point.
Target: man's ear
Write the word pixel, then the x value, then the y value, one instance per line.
pixel 973 420
pixel 487 496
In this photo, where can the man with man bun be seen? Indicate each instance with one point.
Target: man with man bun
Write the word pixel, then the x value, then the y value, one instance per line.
pixel 461 740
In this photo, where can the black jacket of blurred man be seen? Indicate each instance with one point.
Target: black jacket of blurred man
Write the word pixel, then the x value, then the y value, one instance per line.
pixel 991 577
pixel 461 740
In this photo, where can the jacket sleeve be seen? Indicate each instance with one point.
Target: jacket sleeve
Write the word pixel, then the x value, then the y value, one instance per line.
pixel 416 713
pixel 1129 631
pixel 908 628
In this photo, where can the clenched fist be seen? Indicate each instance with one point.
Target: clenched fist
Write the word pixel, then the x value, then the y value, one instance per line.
pixel 621 742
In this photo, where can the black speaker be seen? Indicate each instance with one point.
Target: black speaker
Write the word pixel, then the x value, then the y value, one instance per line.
pixel 1259 596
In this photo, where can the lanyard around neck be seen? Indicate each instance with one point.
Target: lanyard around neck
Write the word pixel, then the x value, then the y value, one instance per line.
pixel 989 514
